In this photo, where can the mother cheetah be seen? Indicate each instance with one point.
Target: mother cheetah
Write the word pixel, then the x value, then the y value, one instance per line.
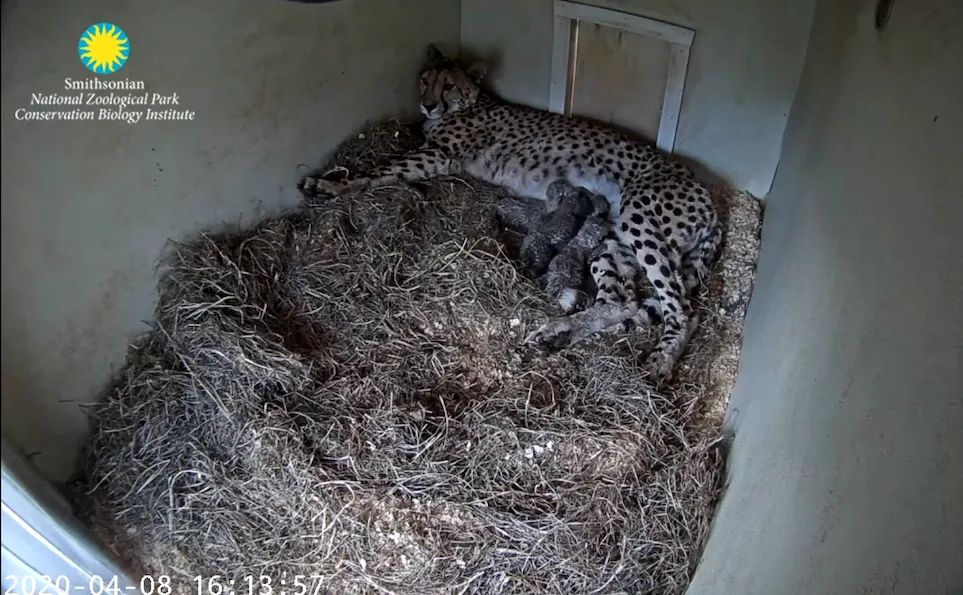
pixel 663 221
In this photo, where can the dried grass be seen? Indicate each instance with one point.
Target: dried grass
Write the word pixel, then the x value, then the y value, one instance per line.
pixel 342 393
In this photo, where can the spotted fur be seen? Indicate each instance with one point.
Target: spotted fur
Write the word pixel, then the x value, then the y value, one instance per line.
pixel 663 220
pixel 560 236
pixel 565 279
pixel 564 214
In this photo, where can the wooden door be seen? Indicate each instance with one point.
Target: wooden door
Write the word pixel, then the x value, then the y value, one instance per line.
pixel 619 77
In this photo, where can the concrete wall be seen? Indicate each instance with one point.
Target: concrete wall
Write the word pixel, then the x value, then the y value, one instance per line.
pixel 87 206
pixel 847 465
pixel 743 71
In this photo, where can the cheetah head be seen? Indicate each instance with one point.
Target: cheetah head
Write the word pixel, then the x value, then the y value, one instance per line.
pixel 447 87
pixel 558 191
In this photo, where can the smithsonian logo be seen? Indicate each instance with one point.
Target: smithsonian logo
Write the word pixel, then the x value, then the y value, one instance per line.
pixel 104 49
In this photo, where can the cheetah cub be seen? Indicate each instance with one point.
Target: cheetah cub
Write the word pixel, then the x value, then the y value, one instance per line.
pixel 566 275
pixel 664 222
pixel 565 211
pixel 559 239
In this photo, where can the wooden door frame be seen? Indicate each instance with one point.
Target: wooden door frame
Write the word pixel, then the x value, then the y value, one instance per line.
pixel 568 16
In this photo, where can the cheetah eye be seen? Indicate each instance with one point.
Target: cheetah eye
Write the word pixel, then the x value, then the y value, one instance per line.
pixel 448 87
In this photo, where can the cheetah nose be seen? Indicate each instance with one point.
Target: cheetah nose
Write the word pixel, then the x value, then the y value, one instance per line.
pixel 428 108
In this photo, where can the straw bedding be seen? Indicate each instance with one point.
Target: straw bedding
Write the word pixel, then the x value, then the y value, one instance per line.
pixel 342 393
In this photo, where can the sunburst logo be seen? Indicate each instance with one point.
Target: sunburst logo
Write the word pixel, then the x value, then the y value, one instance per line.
pixel 104 48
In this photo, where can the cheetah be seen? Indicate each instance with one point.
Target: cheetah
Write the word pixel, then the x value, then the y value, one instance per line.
pixel 662 220
pixel 559 238
pixel 566 275
pixel 564 214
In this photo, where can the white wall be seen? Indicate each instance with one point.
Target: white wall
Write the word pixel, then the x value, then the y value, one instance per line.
pixel 743 71
pixel 846 474
pixel 87 206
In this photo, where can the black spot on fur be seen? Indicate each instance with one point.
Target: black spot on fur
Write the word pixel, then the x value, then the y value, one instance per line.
pixel 654 314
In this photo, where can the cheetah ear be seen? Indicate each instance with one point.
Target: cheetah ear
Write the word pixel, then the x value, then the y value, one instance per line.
pixel 433 55
pixel 477 71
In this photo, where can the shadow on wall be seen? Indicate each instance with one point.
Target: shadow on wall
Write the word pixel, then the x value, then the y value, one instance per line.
pixel 845 471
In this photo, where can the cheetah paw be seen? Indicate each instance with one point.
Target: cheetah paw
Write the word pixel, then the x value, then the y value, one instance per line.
pixel 333 183
pixel 312 187
pixel 553 335
pixel 658 367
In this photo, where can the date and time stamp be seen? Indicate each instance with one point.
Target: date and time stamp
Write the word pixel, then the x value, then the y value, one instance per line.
pixel 164 585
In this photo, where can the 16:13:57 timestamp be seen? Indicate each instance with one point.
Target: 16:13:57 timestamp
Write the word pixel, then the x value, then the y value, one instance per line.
pixel 297 584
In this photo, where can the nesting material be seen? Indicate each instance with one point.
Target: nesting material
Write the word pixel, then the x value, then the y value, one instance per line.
pixel 343 393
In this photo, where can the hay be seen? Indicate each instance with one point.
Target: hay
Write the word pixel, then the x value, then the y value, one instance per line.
pixel 342 393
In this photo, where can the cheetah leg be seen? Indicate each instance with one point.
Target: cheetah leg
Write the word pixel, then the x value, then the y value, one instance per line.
pixel 615 303
pixel 422 164
pixel 650 312
pixel 662 266
pixel 609 274
pixel 697 263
